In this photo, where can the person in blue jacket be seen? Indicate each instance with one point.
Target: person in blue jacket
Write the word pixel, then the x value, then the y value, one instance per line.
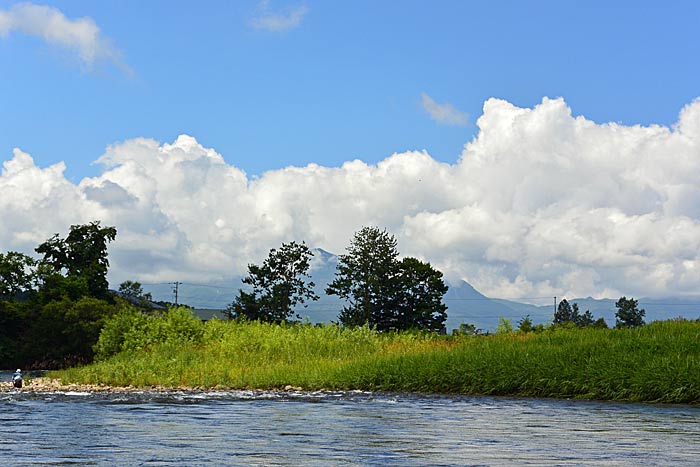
pixel 17 378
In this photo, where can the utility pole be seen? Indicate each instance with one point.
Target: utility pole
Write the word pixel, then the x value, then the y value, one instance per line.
pixel 175 289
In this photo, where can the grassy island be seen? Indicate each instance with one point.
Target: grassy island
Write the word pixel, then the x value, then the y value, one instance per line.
pixel 659 362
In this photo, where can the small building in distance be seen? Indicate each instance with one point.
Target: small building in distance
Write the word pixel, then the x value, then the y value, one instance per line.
pixel 206 314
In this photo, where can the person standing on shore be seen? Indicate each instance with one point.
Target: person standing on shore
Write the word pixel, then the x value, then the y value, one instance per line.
pixel 17 379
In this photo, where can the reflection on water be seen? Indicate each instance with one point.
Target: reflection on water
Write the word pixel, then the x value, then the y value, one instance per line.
pixel 339 428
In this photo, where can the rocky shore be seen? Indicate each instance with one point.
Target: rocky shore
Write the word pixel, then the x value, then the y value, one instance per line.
pixel 54 385
pixel 41 384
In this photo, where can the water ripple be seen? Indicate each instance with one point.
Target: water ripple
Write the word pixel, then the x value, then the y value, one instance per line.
pixel 198 428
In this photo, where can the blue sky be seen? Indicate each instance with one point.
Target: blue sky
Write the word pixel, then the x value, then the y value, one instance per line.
pixel 345 83
pixel 531 148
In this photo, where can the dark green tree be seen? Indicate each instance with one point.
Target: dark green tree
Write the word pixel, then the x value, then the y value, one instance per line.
pixel 466 329
pixel 82 254
pixel 383 291
pixel 525 325
pixel 367 278
pixel 133 292
pixel 132 289
pixel 278 285
pixel 600 324
pixel 583 319
pixel 564 313
pixel 568 313
pixel 16 274
pixel 420 297
pixel 627 314
pixel 63 332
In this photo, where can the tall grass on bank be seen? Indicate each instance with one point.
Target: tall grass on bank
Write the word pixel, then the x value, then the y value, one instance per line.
pixel 659 362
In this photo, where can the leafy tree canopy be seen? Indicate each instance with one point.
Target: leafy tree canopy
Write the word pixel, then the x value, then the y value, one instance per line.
pixel 278 285
pixel 567 313
pixel 82 254
pixel 16 274
pixel 385 292
pixel 628 315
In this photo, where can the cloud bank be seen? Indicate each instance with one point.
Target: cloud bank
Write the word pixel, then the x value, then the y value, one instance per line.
pixel 81 36
pixel 540 203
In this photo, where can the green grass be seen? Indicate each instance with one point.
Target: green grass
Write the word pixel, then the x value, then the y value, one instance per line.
pixel 659 362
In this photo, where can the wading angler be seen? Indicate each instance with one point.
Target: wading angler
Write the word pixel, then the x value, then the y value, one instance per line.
pixel 17 378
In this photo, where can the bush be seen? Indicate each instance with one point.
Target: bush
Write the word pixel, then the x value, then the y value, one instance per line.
pixel 132 330
pixel 113 335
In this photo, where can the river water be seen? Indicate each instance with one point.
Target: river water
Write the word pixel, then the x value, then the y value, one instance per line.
pixel 247 428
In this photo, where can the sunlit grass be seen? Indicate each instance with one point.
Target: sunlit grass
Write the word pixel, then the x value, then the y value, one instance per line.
pixel 656 363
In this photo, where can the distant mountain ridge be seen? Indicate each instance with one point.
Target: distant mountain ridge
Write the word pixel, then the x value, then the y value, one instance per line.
pixel 465 303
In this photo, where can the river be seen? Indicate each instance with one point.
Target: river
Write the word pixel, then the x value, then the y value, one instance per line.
pixel 249 428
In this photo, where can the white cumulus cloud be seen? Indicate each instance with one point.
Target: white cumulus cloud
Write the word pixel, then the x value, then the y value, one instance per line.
pixel 81 35
pixel 540 203
pixel 443 113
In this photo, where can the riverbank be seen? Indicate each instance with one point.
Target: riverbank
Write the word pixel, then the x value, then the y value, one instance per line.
pixel 43 384
pixel 657 363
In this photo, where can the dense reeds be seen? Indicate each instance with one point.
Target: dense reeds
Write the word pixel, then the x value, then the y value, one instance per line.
pixel 659 362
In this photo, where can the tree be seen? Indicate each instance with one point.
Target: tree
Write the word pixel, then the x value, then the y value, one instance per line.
pixel 466 329
pixel 278 285
pixel 504 326
pixel 366 277
pixel 383 291
pixel 132 292
pixel 564 313
pixel 16 274
pixel 421 291
pixel 585 319
pixel 627 314
pixel 525 325
pixel 135 290
pixel 132 289
pixel 567 313
pixel 600 324
pixel 64 331
pixel 82 254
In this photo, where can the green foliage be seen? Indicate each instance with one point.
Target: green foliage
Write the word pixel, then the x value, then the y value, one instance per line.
pixel 655 363
pixel 366 278
pixel 134 289
pixel 11 324
pixel 64 331
pixel 504 326
pixel 600 323
pixel 525 325
pixel 54 309
pixel 131 330
pixel 113 334
pixel 420 296
pixel 566 313
pixel 382 291
pixel 16 274
pixel 466 329
pixel 83 254
pixel 132 293
pixel 56 287
pixel 628 315
pixel 278 285
pixel 584 319
pixel 661 364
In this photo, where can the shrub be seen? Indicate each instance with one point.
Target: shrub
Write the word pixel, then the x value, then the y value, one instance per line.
pixel 132 330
